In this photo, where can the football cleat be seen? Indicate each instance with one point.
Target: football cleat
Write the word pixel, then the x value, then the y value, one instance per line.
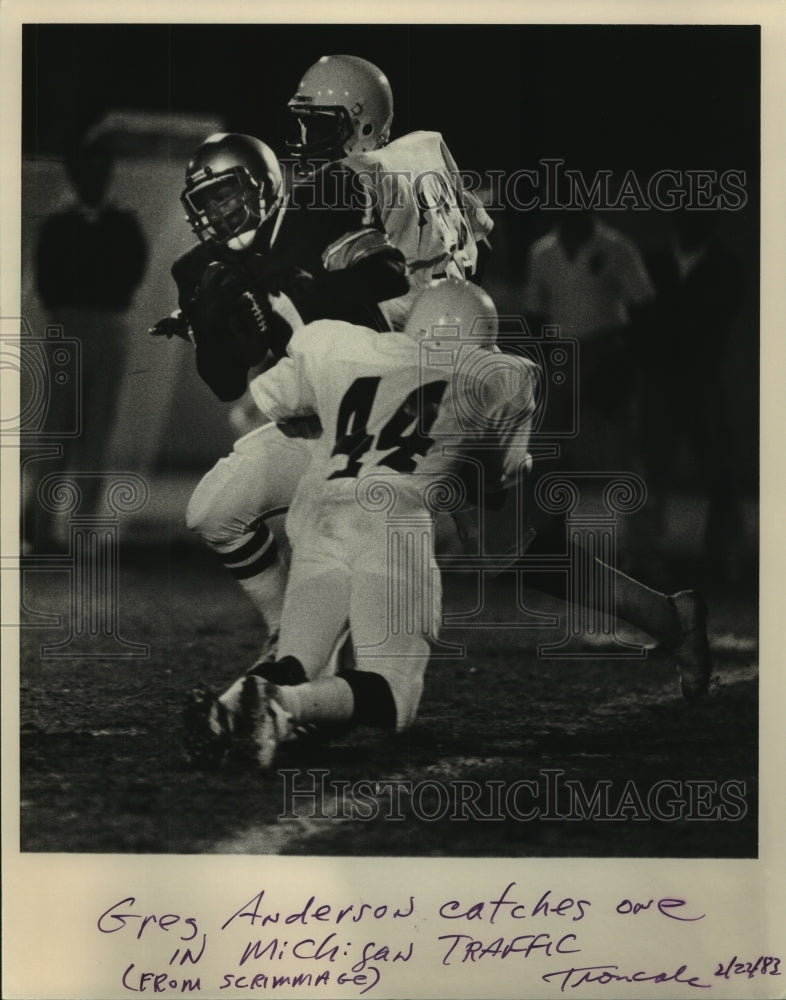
pixel 207 729
pixel 692 649
pixel 265 723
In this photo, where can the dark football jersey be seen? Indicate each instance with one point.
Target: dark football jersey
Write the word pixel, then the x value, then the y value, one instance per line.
pixel 325 227
pixel 328 226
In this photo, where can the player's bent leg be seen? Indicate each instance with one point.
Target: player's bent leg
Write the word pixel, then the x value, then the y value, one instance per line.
pixel 317 606
pixel 403 676
pixel 692 649
pixel 391 650
pixel 382 691
pixel 385 687
pixel 395 647
pixel 237 508
pixel 311 625
pixel 677 622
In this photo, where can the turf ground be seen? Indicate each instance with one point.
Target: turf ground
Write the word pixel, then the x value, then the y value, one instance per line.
pixel 101 769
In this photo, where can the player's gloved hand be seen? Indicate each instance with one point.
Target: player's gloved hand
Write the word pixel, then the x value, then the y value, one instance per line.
pixel 225 311
pixel 299 282
pixel 218 291
pixel 309 427
pixel 174 325
pixel 307 293
pixel 276 274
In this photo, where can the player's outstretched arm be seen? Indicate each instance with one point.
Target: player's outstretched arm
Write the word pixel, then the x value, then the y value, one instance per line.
pixel 376 278
pixel 174 325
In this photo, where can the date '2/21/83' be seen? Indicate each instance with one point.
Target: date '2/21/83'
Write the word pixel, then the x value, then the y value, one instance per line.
pixel 765 965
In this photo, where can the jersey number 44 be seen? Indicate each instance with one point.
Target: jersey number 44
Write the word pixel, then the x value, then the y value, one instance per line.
pixel 402 438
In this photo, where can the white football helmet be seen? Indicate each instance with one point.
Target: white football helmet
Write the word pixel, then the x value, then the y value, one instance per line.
pixel 233 186
pixel 453 310
pixel 343 105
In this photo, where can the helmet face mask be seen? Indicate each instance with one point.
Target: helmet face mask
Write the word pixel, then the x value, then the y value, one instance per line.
pixel 224 206
pixel 233 186
pixel 343 105
pixel 318 133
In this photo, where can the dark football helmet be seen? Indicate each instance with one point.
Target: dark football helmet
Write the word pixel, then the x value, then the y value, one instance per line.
pixel 233 186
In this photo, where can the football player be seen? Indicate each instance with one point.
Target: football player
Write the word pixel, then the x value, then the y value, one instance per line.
pixel 344 233
pixel 235 204
pixel 388 407
pixel 341 115
pixel 239 302
pixel 361 520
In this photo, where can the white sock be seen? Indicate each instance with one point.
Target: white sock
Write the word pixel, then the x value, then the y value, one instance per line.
pixel 326 700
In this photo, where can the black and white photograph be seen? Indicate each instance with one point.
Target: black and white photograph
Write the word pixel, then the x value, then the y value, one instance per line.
pixel 391 502
pixel 389 439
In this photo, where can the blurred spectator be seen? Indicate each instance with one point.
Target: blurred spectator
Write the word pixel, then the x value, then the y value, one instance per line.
pixel 90 259
pixel 590 279
pixel 685 398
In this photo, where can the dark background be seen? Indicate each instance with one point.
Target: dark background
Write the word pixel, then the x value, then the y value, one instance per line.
pixel 641 97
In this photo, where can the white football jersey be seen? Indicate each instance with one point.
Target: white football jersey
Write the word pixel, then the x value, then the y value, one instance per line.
pixel 391 406
pixel 414 185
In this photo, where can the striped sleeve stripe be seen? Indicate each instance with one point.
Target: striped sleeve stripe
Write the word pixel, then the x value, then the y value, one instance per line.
pixel 265 559
pixel 352 247
pixel 254 555
pixel 261 532
pixel 249 548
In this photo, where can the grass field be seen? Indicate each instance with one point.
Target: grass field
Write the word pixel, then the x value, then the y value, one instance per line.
pixel 101 768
